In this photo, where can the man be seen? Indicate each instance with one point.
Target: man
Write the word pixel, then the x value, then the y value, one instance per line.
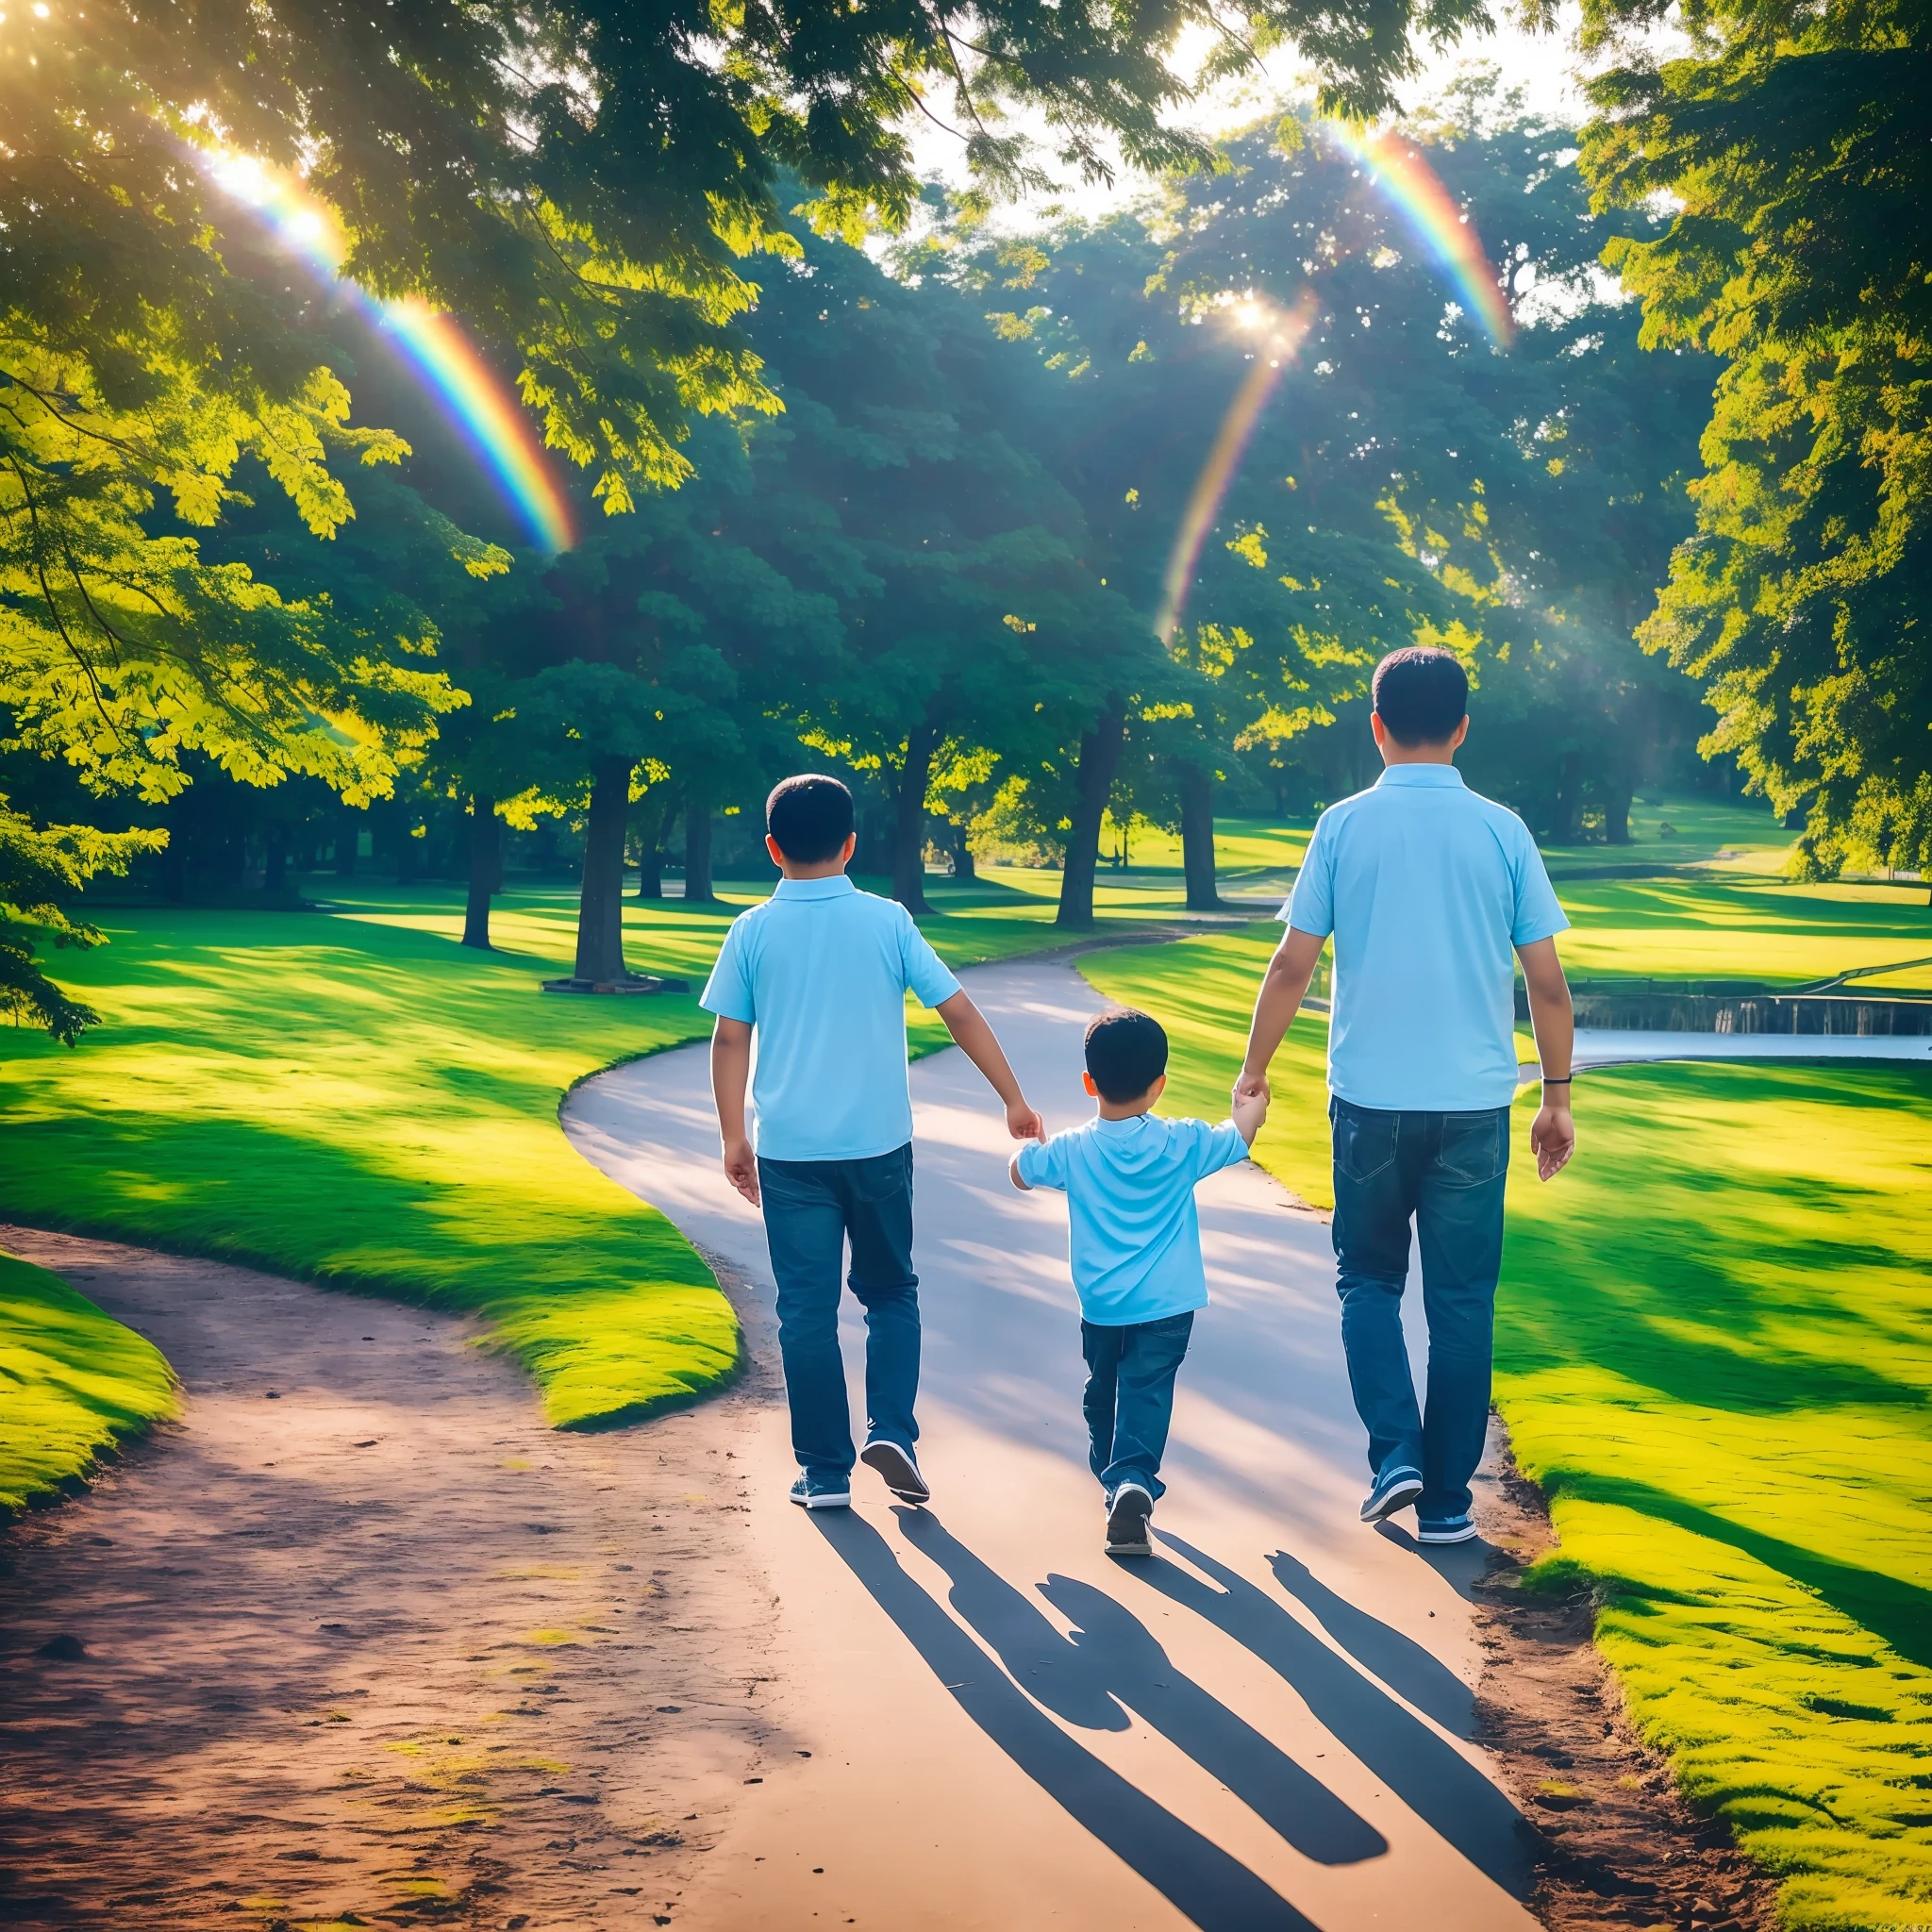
pixel 1426 888
pixel 820 973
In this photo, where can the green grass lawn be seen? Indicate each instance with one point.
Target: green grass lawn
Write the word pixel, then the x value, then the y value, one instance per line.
pixel 1715 1351
pixel 350 1096
pixel 73 1383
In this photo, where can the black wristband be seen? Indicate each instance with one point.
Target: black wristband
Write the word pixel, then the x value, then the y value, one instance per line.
pixel 1564 1081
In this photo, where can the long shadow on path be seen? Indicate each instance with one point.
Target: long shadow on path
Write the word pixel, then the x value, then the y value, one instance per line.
pixel 1202 1882
pixel 1113 1660
pixel 1434 1779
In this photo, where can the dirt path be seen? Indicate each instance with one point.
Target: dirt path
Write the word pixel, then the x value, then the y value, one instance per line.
pixel 363 1637
pixel 1270 1725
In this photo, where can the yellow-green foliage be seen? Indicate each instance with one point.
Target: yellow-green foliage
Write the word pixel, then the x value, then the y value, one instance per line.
pixel 72 1383
pixel 1714 1348
pixel 354 1098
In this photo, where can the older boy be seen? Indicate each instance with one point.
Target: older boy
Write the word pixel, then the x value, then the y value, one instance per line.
pixel 1426 888
pixel 1134 1242
pixel 820 974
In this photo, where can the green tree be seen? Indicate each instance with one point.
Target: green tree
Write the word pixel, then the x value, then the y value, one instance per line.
pixel 1790 145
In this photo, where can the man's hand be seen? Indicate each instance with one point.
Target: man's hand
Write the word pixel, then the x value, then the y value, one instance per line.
pixel 1552 1139
pixel 1252 1087
pixel 1250 1110
pixel 1024 1122
pixel 741 1168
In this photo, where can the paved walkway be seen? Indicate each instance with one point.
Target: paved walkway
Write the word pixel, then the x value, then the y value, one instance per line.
pixel 1265 1728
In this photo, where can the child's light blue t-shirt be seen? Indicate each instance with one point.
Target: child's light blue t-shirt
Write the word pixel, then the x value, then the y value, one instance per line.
pixel 822 970
pixel 1133 1237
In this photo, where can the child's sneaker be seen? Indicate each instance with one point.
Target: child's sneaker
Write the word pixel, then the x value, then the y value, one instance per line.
pixel 814 1492
pixel 898 1466
pixel 1444 1529
pixel 1127 1511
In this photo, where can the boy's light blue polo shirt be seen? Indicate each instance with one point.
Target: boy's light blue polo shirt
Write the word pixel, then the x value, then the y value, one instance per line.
pixel 1133 1237
pixel 1426 886
pixel 822 971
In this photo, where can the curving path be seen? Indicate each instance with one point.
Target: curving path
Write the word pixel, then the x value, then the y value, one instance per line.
pixel 1264 1728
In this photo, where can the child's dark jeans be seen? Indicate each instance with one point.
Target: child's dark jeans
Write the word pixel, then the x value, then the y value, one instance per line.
pixel 1129 1399
pixel 811 1208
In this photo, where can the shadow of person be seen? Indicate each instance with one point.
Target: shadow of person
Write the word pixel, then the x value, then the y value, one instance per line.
pixel 1114 1659
pixel 1400 1661
pixel 1423 1770
pixel 1202 1882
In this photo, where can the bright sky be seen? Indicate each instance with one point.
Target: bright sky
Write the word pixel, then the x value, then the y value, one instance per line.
pixel 1540 64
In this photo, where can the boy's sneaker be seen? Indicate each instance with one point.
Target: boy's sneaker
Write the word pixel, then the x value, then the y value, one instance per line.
pixel 1127 1511
pixel 814 1492
pixel 898 1466
pixel 1395 1489
pixel 1444 1529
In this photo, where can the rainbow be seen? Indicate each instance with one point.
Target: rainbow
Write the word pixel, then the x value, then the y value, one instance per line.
pixel 1275 351
pixel 434 345
pixel 1396 166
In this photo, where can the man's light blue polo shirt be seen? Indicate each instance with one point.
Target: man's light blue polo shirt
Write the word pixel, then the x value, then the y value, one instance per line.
pixel 821 970
pixel 1426 886
pixel 1133 1237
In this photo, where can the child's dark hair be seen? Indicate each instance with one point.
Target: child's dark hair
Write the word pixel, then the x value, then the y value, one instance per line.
pixel 810 816
pixel 1421 694
pixel 1126 1052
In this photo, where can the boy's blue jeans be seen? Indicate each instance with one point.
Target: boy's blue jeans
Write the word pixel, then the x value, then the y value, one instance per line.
pixel 812 1208
pixel 1129 1399
pixel 1447 1171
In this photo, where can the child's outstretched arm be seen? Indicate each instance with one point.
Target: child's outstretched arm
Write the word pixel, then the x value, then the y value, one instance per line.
pixel 976 1040
pixel 730 1074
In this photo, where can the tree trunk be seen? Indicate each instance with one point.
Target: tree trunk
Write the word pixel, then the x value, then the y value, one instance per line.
pixel 908 824
pixel 600 906
pixel 964 871
pixel 648 824
pixel 1100 757
pixel 486 841
pixel 1617 810
pixel 1197 838
pixel 1569 826
pixel 348 835
pixel 697 851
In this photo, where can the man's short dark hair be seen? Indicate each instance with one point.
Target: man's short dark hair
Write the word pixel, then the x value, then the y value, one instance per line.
pixel 1421 694
pixel 1126 1052
pixel 810 816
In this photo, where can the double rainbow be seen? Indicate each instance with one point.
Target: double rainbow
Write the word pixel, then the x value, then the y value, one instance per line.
pixel 1394 165
pixel 434 345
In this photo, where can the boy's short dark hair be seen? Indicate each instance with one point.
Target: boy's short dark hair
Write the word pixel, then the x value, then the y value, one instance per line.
pixel 1126 1052
pixel 810 816
pixel 1421 694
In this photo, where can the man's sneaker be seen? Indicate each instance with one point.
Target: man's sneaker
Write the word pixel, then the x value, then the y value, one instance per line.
pixel 1444 1529
pixel 1395 1489
pixel 1127 1511
pixel 812 1492
pixel 898 1466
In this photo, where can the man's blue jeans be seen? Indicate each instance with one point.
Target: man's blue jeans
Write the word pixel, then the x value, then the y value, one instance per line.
pixel 1447 1171
pixel 1129 1399
pixel 812 1208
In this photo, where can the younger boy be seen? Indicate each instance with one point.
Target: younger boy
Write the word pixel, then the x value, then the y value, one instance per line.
pixel 1134 1243
pixel 820 973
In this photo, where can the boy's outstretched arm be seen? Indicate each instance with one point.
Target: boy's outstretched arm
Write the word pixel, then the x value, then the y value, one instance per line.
pixel 730 1075
pixel 976 1040
pixel 1552 1134
pixel 1283 989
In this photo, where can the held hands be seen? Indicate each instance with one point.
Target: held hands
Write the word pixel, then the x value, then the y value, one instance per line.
pixel 1552 1139
pixel 1250 1109
pixel 741 1168
pixel 1252 1087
